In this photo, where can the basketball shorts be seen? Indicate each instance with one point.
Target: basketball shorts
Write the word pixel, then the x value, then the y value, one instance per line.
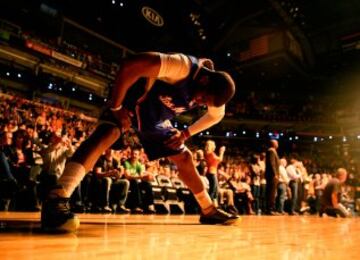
pixel 152 134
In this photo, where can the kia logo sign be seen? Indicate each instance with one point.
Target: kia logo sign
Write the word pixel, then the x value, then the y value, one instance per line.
pixel 152 16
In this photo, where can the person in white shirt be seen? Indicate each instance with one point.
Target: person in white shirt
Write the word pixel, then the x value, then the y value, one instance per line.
pixel 294 177
pixel 282 186
pixel 54 157
pixel 175 83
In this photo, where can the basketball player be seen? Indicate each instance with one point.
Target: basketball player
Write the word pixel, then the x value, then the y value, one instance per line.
pixel 175 83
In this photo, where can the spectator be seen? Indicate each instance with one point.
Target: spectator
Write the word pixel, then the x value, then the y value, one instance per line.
pixel 21 159
pixel 318 190
pixel 272 163
pixel 200 162
pixel 330 203
pixel 212 162
pixel 282 186
pixel 54 158
pixel 262 196
pixel 255 169
pixel 242 191
pixel 294 176
pixel 139 181
pixel 8 183
pixel 109 177
pixel 225 191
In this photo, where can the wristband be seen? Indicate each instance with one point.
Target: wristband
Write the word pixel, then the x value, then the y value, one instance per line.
pixel 116 108
pixel 186 133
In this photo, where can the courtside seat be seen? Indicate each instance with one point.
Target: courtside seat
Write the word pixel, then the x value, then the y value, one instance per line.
pixel 161 206
pixel 177 183
pixel 170 195
pixel 186 196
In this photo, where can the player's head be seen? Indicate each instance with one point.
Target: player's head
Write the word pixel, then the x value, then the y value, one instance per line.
pixel 213 88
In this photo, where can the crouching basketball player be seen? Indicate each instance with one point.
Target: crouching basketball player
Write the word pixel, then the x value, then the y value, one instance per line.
pixel 175 83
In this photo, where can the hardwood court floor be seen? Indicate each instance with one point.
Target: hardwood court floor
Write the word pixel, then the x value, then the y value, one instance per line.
pixel 181 237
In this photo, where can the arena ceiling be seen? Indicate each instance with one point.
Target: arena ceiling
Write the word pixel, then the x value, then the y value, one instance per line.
pixel 327 31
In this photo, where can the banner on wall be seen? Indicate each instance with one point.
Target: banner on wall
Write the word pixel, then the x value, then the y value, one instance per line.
pixel 67 59
pixel 49 52
pixel 38 47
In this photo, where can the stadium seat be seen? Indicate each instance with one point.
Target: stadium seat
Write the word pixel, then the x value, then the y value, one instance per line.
pixel 170 195
pixel 186 196
pixel 161 206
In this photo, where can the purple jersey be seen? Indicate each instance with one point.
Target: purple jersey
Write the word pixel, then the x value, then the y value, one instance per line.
pixel 164 101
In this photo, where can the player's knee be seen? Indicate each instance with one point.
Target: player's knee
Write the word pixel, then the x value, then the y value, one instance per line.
pixel 184 158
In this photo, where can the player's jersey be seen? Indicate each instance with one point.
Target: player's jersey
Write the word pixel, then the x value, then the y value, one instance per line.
pixel 164 101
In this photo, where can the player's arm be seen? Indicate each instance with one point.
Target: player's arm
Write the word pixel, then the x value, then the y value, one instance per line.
pixel 170 68
pixel 140 65
pixel 210 118
pixel 213 116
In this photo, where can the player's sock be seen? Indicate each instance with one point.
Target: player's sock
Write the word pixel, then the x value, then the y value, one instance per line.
pixel 73 174
pixel 205 202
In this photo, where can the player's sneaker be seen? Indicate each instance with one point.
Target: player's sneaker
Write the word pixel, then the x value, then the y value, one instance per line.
pixel 218 216
pixel 56 216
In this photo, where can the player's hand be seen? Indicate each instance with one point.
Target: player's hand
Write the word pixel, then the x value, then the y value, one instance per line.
pixel 122 116
pixel 207 63
pixel 176 140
